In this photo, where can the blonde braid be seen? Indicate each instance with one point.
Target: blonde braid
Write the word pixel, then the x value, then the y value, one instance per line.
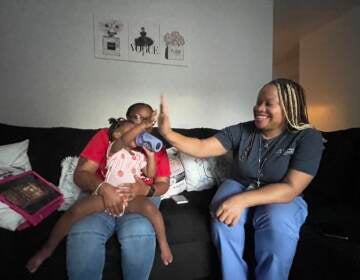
pixel 282 101
pixel 289 102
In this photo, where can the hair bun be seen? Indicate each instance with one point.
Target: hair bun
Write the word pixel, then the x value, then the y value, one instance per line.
pixel 112 121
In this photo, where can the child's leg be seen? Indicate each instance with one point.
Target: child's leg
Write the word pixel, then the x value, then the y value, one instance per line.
pixel 145 207
pixel 86 206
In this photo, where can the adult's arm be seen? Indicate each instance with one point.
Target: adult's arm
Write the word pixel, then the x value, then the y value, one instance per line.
pixel 161 185
pixel 150 168
pixel 195 147
pixel 86 178
pixel 127 138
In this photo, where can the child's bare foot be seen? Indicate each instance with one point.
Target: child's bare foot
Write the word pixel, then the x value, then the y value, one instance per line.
pixel 37 259
pixel 166 255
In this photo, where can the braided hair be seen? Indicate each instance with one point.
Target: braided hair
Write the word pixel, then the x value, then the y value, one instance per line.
pixel 293 103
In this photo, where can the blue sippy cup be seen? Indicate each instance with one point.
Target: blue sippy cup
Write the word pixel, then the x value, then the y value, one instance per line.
pixel 148 141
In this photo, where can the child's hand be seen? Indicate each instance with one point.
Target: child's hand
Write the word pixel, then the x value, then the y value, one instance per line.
pixel 148 152
pixel 150 122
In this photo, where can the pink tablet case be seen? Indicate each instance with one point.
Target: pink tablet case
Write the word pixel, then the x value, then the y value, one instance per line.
pixel 32 219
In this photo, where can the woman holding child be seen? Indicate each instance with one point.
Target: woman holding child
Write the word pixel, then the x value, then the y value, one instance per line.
pixel 87 238
pixel 275 157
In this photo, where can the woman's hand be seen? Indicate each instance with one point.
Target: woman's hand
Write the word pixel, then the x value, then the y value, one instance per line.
pixel 137 188
pixel 115 199
pixel 229 212
pixel 163 118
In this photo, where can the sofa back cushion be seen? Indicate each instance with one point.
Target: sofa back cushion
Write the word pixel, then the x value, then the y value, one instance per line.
pixel 47 146
pixel 336 181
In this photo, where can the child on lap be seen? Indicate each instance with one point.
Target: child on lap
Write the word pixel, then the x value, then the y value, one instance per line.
pixel 123 164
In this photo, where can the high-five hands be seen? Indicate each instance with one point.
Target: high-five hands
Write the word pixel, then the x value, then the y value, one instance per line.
pixel 163 118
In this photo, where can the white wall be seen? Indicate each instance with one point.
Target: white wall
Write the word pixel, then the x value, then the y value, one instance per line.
pixel 329 71
pixel 50 77
pixel 288 67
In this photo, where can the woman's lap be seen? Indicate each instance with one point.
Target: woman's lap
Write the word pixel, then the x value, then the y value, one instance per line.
pixel 87 238
pixel 276 226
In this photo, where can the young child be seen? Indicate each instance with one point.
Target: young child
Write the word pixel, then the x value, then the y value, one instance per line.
pixel 123 163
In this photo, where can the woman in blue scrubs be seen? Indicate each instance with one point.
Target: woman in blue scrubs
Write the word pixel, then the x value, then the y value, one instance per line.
pixel 275 157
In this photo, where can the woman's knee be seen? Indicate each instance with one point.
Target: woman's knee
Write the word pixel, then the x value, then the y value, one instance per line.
pixel 97 225
pixel 223 231
pixel 134 225
pixel 279 219
pixel 227 189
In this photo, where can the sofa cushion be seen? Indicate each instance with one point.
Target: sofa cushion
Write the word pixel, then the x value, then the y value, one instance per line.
pixel 188 222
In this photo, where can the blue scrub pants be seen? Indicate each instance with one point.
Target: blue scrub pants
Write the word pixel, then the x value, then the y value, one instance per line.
pixel 276 229
pixel 86 245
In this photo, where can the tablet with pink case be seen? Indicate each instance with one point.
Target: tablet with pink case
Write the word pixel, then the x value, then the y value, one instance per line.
pixel 31 196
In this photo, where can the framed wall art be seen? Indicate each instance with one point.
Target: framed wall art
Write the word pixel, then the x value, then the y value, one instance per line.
pixel 120 39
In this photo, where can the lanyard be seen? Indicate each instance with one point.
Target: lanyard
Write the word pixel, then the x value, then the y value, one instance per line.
pixel 268 154
pixel 261 164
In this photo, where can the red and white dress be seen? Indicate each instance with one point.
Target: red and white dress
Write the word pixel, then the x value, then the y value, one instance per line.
pixel 123 166
pixel 96 149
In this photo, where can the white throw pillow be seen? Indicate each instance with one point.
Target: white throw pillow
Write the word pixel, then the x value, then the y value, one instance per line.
pixel 13 160
pixel 14 156
pixel 199 172
pixel 67 187
pixel 9 218
pixel 177 174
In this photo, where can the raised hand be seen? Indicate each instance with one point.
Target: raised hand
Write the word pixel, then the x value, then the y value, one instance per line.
pixel 163 118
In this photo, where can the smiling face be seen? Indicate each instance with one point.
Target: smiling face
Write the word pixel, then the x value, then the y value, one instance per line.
pixel 268 114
